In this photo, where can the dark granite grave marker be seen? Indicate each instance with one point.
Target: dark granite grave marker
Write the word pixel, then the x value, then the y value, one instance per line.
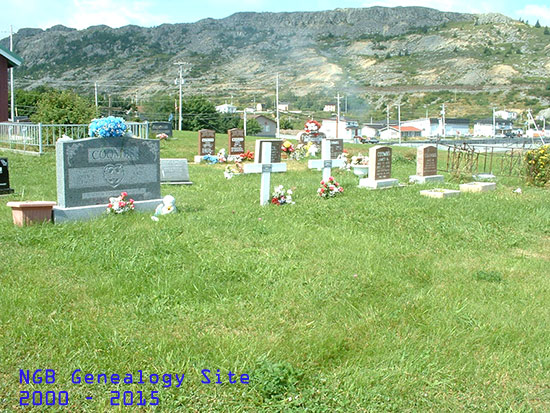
pixel 161 127
pixel 236 141
pixel 207 142
pixel 4 177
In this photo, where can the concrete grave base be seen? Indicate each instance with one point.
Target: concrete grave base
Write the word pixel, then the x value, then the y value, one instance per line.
pixel 377 184
pixel 197 159
pixel 425 179
pixel 478 187
pixel 439 193
pixel 84 213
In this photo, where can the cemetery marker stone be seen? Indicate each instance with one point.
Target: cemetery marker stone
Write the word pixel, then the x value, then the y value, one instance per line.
pixel 4 177
pixel 161 127
pixel 207 144
pixel 379 169
pixel 268 148
pixel 236 141
pixel 426 165
pixel 90 171
pixel 174 171
pixel 336 147
pixel 326 163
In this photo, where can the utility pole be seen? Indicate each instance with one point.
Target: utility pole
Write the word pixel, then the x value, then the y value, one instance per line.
pixel 443 119
pixel 11 80
pixel 180 64
pixel 338 114
pixel 244 121
pixel 109 105
pixel 277 102
pixel 388 117
pixel 346 106
pixel 494 124
pixel 95 93
pixel 399 120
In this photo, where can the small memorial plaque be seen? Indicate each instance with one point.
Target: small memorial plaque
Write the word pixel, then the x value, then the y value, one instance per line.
pixel 236 141
pixel 426 161
pixel 336 148
pixel 207 142
pixel 275 150
pixel 327 164
pixel 161 127
pixel 266 168
pixel 174 171
pixel 4 177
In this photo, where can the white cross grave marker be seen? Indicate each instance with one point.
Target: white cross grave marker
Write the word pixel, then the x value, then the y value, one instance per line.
pixel 265 167
pixel 325 162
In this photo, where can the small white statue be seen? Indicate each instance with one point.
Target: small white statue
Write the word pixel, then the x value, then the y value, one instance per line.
pixel 168 206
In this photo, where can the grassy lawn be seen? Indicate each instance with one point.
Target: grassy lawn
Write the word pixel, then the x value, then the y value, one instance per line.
pixel 373 301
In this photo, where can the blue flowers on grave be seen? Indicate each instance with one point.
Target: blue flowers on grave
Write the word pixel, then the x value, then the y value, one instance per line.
pixel 211 159
pixel 109 127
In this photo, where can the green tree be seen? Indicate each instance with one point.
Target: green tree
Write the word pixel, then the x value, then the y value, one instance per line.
pixel 546 31
pixel 64 107
pixel 537 24
pixel 252 126
pixel 159 107
pixel 199 113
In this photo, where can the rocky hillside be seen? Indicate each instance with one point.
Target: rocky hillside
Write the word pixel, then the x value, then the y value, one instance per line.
pixel 365 50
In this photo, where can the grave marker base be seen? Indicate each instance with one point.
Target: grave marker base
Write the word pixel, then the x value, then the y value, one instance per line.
pixel 478 187
pixel 440 193
pixel 377 184
pixel 83 213
pixel 424 179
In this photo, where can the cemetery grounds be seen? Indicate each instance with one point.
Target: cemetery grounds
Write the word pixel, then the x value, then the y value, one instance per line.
pixel 370 301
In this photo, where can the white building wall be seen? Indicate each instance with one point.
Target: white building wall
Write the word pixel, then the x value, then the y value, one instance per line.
pixel 483 129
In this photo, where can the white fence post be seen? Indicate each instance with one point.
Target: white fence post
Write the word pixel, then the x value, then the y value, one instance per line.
pixel 40 138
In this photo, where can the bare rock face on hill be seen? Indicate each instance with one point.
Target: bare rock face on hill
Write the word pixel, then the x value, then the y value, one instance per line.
pixel 346 48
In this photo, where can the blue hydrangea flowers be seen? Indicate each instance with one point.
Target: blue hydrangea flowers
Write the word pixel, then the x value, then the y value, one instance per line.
pixel 110 127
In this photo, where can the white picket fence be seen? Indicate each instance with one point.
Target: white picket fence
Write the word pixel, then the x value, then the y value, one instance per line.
pixel 34 138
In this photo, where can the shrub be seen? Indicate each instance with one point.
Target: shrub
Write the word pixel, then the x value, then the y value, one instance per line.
pixel 538 165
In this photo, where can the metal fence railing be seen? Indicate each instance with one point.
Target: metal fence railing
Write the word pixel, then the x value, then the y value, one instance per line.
pixel 35 138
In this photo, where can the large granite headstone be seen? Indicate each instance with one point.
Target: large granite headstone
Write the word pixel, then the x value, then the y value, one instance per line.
pixel 275 156
pixel 4 177
pixel 236 141
pixel 174 171
pixel 161 127
pixel 336 148
pixel 379 169
pixel 426 165
pixel 90 171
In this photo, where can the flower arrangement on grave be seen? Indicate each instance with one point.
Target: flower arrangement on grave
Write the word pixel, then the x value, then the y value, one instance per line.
pixel 287 147
pixel 247 156
pixel 330 188
pixel 282 197
pixel 359 159
pixel 312 127
pixel 162 136
pixel 109 127
pixel 346 157
pixel 211 159
pixel 304 150
pixel 222 157
pixel 120 204
pixel 231 171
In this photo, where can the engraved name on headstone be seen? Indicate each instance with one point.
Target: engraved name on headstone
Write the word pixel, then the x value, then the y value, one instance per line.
pixel 336 148
pixel 275 150
pixel 379 162
pixel 161 127
pixel 174 171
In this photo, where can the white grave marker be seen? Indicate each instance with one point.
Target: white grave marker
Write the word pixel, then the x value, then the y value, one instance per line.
pixel 265 167
pixel 325 163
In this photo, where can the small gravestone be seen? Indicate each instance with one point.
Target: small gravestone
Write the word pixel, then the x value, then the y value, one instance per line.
pixel 236 141
pixel 90 171
pixel 478 187
pixel 161 127
pixel 336 147
pixel 174 171
pixel 265 166
pixel 207 144
pixel 4 177
pixel 379 169
pixel 274 150
pixel 426 165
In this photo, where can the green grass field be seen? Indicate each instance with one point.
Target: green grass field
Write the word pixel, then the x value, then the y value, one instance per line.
pixel 373 301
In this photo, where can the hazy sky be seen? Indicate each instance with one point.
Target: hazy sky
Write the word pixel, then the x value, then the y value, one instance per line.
pixel 115 13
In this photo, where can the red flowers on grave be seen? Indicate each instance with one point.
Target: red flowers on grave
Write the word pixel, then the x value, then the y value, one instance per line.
pixel 287 147
pixel 247 156
pixel 120 204
pixel 330 188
